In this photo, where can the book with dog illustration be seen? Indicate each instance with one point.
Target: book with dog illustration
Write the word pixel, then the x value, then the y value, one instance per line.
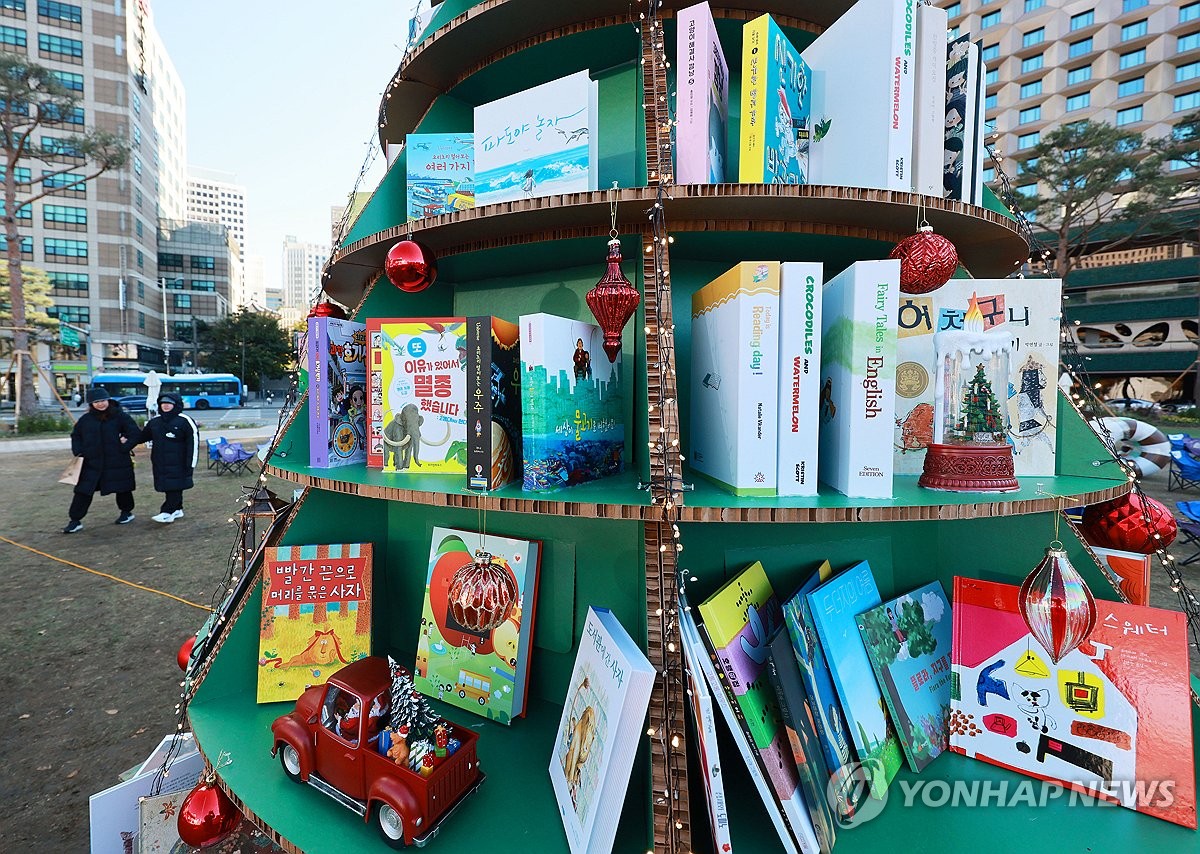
pixel 316 615
pixel 602 721
pixel 417 382
pixel 1112 718
pixel 337 392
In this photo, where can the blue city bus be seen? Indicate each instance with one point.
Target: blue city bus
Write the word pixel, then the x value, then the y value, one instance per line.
pixel 199 391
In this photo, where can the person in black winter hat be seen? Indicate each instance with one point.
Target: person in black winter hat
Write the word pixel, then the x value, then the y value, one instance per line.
pixel 104 436
pixel 173 452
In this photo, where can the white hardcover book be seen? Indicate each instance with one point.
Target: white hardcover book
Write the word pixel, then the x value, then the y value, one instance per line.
pixel 970 121
pixel 602 722
pixel 735 368
pixel 981 135
pixel 702 107
pixel 800 284
pixel 858 378
pixel 862 102
pixel 929 101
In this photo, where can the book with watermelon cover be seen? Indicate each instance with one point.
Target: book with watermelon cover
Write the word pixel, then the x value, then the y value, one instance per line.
pixel 493 402
pixel 316 615
pixel 440 173
pixel 702 107
pixel 776 82
pixel 485 672
pixel 1112 719
pixel 337 392
pixel 908 642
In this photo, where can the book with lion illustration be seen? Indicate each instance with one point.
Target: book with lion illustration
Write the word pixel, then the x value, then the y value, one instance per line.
pixel 316 616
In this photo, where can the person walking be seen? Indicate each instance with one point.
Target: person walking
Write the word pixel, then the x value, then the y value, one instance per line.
pixel 104 437
pixel 175 444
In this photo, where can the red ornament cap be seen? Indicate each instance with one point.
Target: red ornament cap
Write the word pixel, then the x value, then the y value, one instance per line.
pixel 410 266
pixel 613 300
pixel 927 261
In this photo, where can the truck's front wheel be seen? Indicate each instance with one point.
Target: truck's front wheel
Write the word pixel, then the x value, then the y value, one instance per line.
pixel 289 758
pixel 391 825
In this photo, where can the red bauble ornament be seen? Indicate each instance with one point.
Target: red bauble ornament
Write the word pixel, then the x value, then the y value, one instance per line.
pixel 482 594
pixel 185 653
pixel 207 816
pixel 927 261
pixel 1057 605
pixel 328 309
pixel 1121 524
pixel 410 266
pixel 613 301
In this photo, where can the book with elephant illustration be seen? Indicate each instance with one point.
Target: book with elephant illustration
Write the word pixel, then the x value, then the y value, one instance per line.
pixel 337 392
pixel 477 627
pixel 417 382
pixel 316 615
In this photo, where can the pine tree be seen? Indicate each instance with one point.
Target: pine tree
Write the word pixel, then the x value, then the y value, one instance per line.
pixel 409 707
pixel 980 411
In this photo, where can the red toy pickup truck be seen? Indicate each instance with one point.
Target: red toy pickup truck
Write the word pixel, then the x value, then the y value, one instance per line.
pixel 327 743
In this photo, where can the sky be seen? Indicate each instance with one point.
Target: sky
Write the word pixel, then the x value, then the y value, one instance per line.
pixel 284 96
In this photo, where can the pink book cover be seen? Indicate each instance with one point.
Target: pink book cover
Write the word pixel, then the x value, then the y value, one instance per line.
pixel 702 107
pixel 1112 719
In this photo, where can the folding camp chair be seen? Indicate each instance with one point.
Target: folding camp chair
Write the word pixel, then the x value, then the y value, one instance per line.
pixel 233 458
pixel 1177 440
pixel 214 447
pixel 1184 472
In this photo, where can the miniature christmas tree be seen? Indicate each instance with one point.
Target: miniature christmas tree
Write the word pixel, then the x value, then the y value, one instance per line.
pixel 409 708
pixel 980 413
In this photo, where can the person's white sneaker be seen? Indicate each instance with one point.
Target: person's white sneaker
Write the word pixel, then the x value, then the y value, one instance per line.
pixel 165 518
pixel 178 514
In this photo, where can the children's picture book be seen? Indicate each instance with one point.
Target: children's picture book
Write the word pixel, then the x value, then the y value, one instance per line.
pixel 929 100
pixel 316 615
pixel 485 672
pixel 858 378
pixel 572 404
pixel 114 815
pixel 908 642
pixel 538 142
pixel 962 70
pixel 337 392
pixel 418 395
pixel 493 402
pixel 740 619
pixel 1112 719
pixel 602 722
pixel 702 105
pixel 835 607
pixel 1029 310
pixel 1130 569
pixel 735 378
pixel 440 173
pixel 862 103
pixel 800 286
pixel 159 830
pixel 776 101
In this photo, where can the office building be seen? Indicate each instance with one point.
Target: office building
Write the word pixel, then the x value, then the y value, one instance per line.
pixel 197 263
pixel 302 266
pixel 216 197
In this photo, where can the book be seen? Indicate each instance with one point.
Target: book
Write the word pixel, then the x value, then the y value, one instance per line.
pixel 602 722
pixel 800 285
pixel 1029 309
pixel 862 97
pixel 799 722
pixel 159 830
pixel 929 100
pixel 702 105
pixel 572 404
pixel 835 606
pixel 908 642
pixel 962 70
pixel 418 392
pixel 776 84
pixel 538 142
pixel 700 700
pixel 114 815
pixel 493 402
pixel 440 173
pixel 693 643
pixel 1131 569
pixel 740 618
pixel 735 367
pixel 858 378
pixel 483 672
pixel 337 392
pixel 979 139
pixel 1112 719
pixel 316 615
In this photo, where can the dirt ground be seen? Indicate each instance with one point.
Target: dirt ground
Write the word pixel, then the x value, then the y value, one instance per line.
pixel 88 663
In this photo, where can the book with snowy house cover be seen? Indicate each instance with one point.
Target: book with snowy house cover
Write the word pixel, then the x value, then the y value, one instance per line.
pixel 417 386
pixel 337 392
pixel 702 105
pixel 572 404
pixel 440 173
pixel 316 615
pixel 1112 719
pixel 776 86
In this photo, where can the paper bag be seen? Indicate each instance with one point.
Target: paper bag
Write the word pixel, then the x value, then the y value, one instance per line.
pixel 70 475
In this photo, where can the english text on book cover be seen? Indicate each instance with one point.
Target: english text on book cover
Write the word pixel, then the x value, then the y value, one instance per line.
pixel 440 173
pixel 316 616
pixel 1113 718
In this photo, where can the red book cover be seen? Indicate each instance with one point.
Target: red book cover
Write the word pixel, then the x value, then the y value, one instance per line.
pixel 1112 719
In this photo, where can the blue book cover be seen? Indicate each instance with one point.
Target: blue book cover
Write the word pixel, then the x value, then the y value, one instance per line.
pixel 908 642
pixel 776 82
pixel 835 606
pixel 441 173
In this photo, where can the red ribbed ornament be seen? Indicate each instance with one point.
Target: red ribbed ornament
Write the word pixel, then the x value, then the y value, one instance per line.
pixel 328 309
pixel 927 261
pixel 613 301
pixel 207 816
pixel 1120 523
pixel 1057 605
pixel 410 266
pixel 482 594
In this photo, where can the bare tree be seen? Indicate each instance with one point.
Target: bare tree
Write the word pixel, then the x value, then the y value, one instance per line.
pixel 33 99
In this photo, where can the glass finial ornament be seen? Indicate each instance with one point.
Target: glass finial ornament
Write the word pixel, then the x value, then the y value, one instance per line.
pixel 1056 604
pixel 411 266
pixel 927 261
pixel 482 593
pixel 207 815
pixel 613 300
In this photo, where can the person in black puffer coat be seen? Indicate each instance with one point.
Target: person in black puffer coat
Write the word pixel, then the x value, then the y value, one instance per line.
pixel 104 436
pixel 175 445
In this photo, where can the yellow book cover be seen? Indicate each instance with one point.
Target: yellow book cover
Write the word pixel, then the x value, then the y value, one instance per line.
pixel 752 136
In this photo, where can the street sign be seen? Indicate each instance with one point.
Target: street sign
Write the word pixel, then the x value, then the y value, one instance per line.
pixel 68 336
